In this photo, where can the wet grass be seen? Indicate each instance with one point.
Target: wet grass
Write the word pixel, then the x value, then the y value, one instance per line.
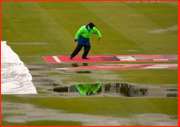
pixel 42 123
pixel 41 90
pixel 116 107
pixel 106 106
pixel 52 22
pixel 164 78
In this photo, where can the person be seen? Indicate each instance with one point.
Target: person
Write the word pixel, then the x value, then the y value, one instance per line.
pixel 82 36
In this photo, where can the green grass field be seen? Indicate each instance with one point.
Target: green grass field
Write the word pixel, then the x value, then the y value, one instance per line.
pixel 124 27
pixel 35 29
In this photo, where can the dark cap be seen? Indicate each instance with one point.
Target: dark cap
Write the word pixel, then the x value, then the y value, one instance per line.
pixel 91 25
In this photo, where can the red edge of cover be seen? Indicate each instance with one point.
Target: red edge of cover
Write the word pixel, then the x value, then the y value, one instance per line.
pixel 0 60
pixel 89 0
pixel 178 62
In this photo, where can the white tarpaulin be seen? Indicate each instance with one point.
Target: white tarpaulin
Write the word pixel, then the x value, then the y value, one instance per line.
pixel 15 76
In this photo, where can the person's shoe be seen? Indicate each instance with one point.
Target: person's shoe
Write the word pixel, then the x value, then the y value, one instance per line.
pixel 85 58
pixel 71 57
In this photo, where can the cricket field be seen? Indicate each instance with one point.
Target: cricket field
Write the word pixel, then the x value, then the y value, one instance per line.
pixel 34 29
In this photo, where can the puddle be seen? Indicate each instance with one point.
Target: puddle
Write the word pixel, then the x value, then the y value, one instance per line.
pixel 46 77
pixel 117 89
pixel 54 66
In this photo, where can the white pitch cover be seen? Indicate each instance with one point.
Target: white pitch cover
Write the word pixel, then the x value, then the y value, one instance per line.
pixel 15 76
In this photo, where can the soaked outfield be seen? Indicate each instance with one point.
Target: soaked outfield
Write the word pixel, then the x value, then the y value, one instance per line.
pixel 119 95
pixel 48 78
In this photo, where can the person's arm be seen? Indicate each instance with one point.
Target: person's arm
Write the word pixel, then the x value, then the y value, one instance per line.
pixel 96 31
pixel 80 31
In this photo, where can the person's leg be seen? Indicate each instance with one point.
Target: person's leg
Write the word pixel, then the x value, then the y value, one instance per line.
pixel 86 51
pixel 76 51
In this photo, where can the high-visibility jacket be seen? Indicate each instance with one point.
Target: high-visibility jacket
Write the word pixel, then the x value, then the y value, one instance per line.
pixel 84 34
pixel 85 88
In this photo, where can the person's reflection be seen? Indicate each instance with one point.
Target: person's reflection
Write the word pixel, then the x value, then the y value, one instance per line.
pixel 88 89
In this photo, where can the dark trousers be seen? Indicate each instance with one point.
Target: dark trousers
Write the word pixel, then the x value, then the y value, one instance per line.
pixel 79 47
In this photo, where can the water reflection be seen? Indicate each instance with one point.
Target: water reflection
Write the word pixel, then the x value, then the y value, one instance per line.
pixel 118 89
pixel 88 89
